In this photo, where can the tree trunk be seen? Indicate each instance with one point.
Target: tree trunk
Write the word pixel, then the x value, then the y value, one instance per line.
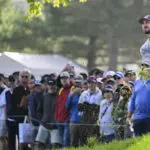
pixel 112 51
pixel 91 55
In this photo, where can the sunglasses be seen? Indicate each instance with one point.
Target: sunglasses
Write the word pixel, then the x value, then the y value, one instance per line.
pixel 24 77
pixel 117 78
pixel 107 91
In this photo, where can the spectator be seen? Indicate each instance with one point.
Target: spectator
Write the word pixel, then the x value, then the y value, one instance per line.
pixel 10 122
pixel 35 103
pixel 61 113
pixel 72 106
pixel 48 129
pixel 106 120
pixel 89 107
pixel 120 112
pixel 119 78
pixel 19 107
pixel 3 115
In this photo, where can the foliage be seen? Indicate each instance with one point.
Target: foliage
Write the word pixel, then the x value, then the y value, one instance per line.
pixel 36 6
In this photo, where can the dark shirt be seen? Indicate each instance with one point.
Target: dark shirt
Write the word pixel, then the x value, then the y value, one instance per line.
pixel 35 103
pixel 49 110
pixel 18 112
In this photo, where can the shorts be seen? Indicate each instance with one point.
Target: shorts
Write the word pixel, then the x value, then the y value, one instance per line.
pixel 3 128
pixel 44 134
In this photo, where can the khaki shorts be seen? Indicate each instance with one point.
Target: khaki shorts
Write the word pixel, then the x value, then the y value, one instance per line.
pixel 44 134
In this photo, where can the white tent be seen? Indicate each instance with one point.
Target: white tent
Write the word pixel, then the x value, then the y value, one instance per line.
pixel 38 64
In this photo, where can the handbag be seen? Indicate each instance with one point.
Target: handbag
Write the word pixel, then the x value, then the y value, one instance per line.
pixel 26 132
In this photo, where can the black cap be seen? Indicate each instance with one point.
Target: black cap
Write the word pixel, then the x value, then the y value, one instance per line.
pixel 147 17
pixel 45 78
pixel 11 78
pixel 129 72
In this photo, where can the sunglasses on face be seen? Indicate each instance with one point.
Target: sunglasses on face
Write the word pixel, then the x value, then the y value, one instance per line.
pixel 117 78
pixel 107 91
pixel 24 77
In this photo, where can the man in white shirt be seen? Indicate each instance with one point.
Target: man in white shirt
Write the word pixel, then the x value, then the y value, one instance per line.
pixel 89 102
pixel 105 116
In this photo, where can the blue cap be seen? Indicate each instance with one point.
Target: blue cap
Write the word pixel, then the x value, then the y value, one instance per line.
pixel 119 74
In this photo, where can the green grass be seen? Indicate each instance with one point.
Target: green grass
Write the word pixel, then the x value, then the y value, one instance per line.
pixel 140 143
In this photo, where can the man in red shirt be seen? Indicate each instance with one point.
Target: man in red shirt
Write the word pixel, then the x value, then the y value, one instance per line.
pixel 61 113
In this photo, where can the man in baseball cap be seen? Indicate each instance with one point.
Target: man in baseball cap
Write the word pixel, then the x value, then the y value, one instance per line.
pixel 145 49
pixel 145 18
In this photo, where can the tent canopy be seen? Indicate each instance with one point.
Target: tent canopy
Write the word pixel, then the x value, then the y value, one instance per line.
pixel 38 64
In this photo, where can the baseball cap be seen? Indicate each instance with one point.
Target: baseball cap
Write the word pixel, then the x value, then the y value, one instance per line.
pixel 147 17
pixel 109 73
pixel 64 74
pixel 119 74
pixel 79 79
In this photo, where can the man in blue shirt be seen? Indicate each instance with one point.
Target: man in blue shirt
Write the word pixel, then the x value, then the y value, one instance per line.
pixel 139 106
pixel 72 105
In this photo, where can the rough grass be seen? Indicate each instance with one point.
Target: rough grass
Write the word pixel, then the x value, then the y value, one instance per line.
pixel 139 143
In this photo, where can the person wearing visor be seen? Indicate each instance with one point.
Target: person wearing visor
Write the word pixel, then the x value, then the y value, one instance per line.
pixel 76 135
pixel 89 107
pixel 145 48
pixel 62 115
pixel 107 131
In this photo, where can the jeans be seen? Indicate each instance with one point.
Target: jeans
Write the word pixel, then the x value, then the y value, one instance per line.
pixel 141 126
pixel 64 132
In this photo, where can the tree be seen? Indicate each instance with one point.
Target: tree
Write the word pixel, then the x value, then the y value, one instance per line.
pixel 36 6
